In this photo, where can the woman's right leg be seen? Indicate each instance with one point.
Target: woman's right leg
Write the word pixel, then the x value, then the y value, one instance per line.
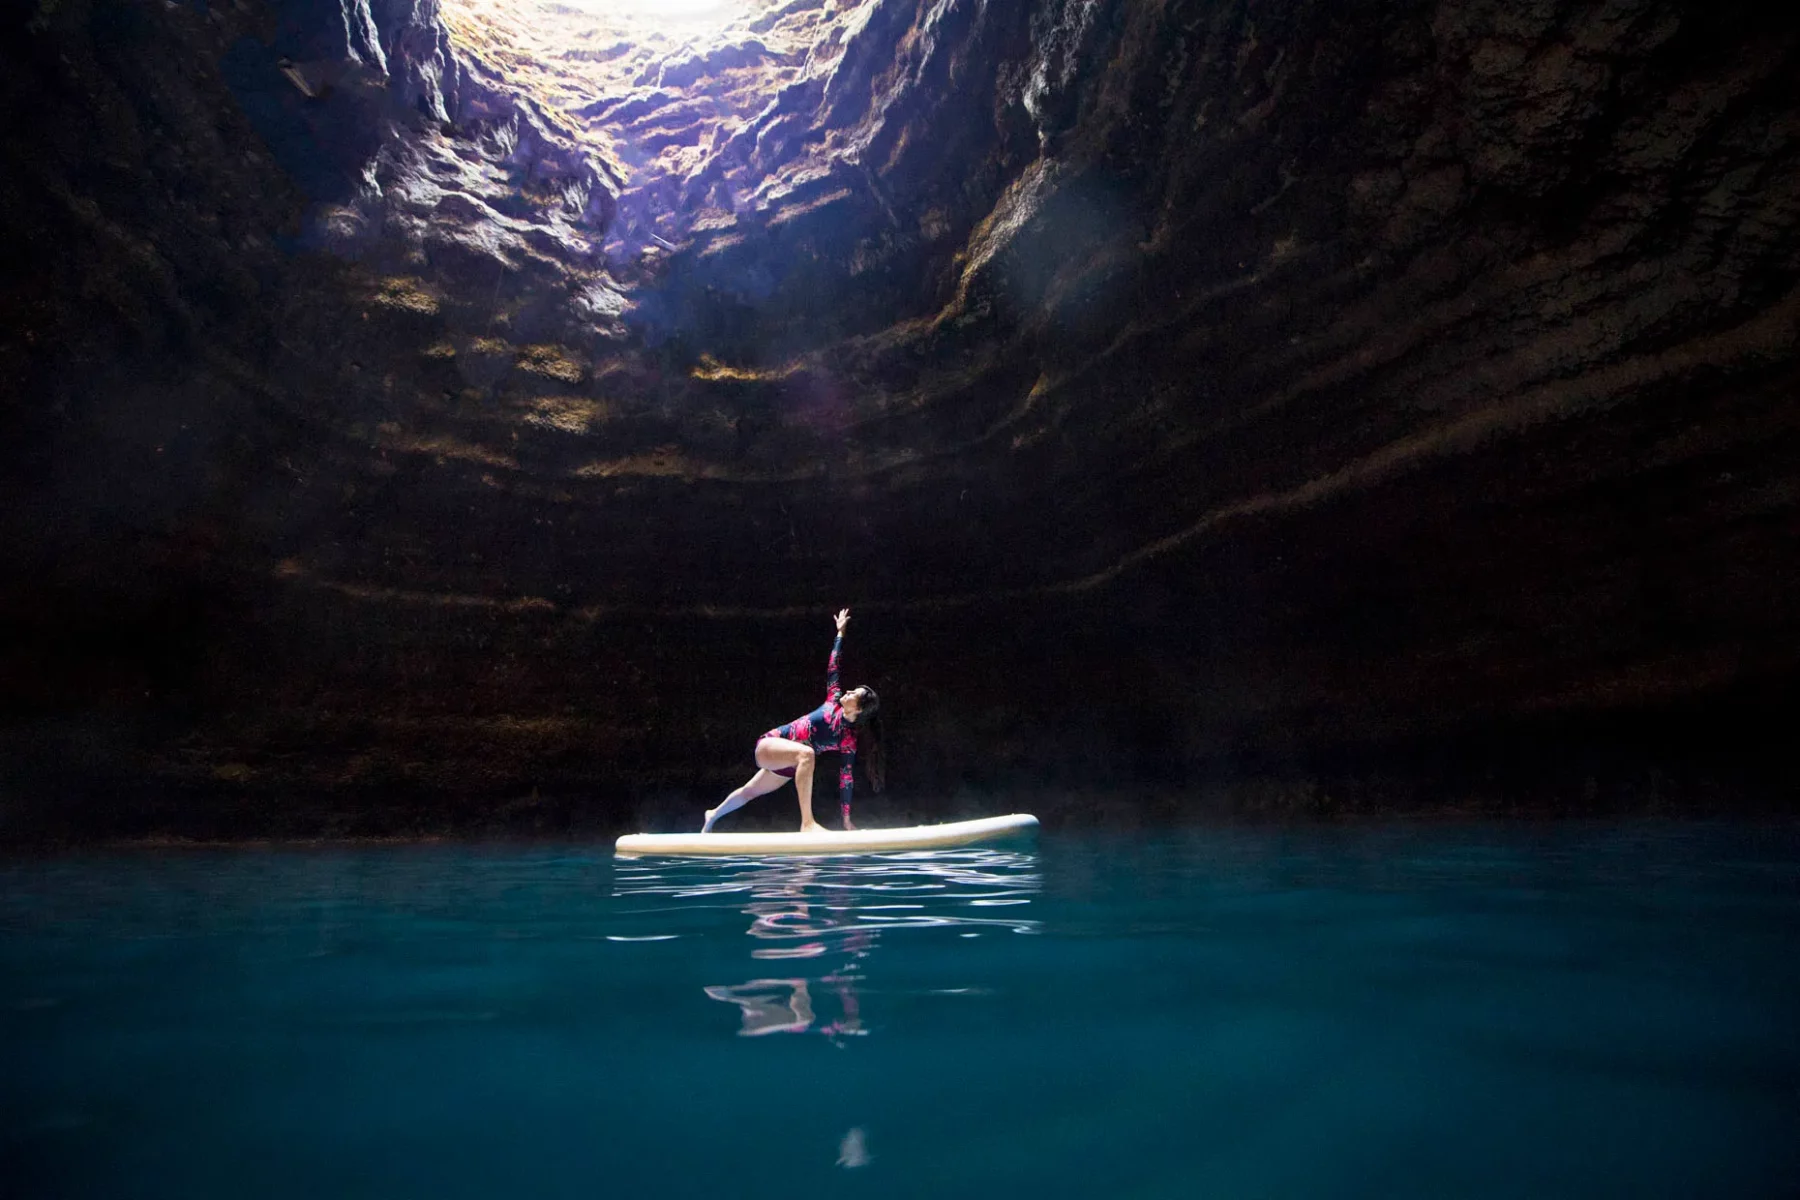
pixel 759 784
pixel 772 754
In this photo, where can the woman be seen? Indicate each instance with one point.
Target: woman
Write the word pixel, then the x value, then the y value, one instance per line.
pixel 787 751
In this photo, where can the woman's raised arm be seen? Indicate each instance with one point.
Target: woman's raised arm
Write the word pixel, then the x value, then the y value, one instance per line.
pixel 831 664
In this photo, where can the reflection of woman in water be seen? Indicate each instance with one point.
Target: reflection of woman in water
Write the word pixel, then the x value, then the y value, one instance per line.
pixel 785 915
pixel 846 722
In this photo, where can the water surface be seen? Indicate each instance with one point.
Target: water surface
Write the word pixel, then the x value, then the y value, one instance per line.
pixel 1462 1010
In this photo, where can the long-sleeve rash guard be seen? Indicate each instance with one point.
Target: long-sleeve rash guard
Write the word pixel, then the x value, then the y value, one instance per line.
pixel 825 728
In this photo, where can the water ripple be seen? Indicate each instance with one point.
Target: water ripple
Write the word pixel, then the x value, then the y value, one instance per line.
pixel 825 919
pixel 1008 871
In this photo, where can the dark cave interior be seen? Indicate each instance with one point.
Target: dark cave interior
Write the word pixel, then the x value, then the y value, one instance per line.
pixel 434 415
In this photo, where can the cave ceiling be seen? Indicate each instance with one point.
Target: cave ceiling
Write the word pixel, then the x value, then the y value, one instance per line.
pixel 954 275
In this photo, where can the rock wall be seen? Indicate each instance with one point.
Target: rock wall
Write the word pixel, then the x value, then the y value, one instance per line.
pixel 416 411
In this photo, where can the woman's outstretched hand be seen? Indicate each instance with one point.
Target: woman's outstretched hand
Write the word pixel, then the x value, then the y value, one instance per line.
pixel 842 619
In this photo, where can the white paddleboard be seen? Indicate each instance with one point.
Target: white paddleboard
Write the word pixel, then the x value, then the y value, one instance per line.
pixel 831 841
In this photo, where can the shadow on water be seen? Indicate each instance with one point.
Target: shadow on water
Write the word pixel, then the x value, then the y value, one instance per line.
pixel 823 919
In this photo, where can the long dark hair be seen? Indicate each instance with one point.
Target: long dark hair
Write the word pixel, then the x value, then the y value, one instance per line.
pixel 868 739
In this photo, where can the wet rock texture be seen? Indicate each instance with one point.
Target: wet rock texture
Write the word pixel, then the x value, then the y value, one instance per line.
pixel 427 417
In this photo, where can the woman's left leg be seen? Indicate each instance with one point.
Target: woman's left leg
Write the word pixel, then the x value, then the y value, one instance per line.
pixel 759 784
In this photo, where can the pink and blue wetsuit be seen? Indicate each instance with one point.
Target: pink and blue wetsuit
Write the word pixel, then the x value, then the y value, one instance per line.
pixel 825 728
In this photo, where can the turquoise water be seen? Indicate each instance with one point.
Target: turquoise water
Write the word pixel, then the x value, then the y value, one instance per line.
pixel 1433 1011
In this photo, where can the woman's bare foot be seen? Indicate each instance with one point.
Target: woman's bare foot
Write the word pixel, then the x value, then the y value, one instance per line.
pixel 707 826
pixel 813 827
pixel 848 827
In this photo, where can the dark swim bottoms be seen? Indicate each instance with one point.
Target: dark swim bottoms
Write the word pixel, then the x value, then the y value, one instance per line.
pixel 788 772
